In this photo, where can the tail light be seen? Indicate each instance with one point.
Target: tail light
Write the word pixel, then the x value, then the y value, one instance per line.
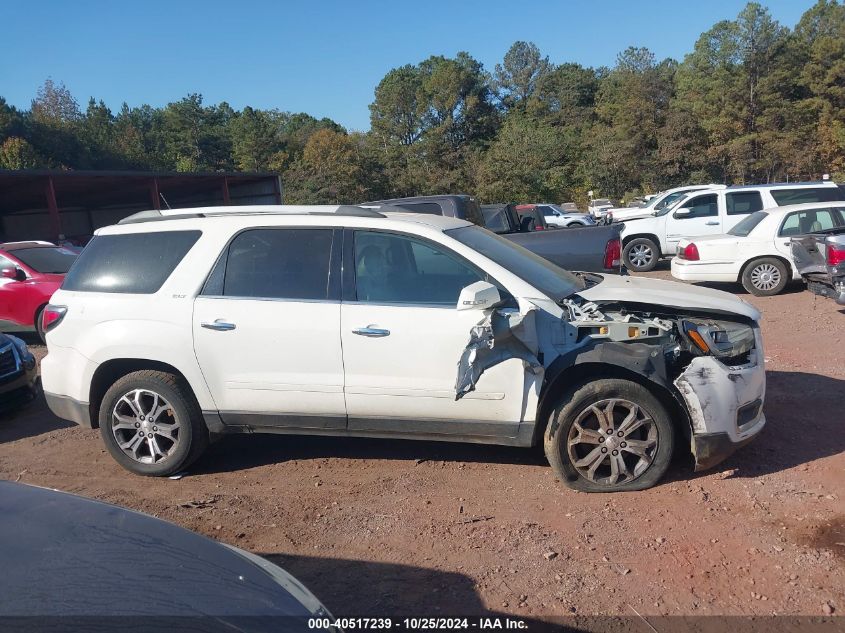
pixel 690 252
pixel 835 256
pixel 51 316
pixel 612 254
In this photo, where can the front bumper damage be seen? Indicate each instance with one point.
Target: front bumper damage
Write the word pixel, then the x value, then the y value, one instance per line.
pixel 724 404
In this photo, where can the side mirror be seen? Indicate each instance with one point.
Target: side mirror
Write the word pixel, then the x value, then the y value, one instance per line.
pixel 682 212
pixel 15 274
pixel 478 296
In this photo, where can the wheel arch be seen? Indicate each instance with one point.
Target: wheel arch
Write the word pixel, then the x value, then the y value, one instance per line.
pixel 789 269
pixel 112 370
pixel 563 378
pixel 651 236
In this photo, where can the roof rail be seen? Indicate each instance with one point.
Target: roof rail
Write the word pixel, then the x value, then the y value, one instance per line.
pixel 154 215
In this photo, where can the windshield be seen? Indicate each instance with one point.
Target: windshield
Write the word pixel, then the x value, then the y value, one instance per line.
pixel 551 280
pixel 681 197
pixel 747 224
pixel 668 200
pixel 47 260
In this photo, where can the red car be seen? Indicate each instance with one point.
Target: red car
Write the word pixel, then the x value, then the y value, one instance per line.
pixel 30 272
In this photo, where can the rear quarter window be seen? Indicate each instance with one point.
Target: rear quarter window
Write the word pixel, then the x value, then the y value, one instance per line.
pixel 801 195
pixel 135 263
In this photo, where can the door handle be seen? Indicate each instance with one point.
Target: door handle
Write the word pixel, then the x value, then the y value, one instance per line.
pixel 712 223
pixel 371 332
pixel 218 325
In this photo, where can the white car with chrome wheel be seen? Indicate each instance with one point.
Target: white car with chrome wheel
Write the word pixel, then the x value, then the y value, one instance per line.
pixel 756 252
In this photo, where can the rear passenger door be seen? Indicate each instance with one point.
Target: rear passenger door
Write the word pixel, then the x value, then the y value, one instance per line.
pixel 267 329
pixel 702 219
pixel 804 222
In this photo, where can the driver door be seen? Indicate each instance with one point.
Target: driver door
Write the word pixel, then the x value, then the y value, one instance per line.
pixel 703 219
pixel 402 337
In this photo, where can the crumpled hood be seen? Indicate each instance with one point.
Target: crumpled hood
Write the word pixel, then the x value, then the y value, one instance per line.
pixel 667 293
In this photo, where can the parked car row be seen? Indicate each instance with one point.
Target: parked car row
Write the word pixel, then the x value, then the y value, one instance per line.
pixel 758 251
pixel 710 212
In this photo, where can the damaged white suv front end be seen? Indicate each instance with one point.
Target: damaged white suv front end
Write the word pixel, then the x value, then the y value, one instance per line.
pixel 697 352
pixel 713 353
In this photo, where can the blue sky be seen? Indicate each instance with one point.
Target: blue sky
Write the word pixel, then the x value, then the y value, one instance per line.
pixel 324 58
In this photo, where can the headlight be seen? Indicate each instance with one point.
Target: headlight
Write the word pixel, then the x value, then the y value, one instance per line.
pixel 723 339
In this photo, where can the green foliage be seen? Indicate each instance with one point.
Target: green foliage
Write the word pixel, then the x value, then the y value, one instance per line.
pixel 17 153
pixel 753 102
pixel 516 78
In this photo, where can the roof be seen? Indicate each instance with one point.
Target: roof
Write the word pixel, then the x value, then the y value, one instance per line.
pixel 438 222
pixel 711 185
pixel 777 185
pixel 805 206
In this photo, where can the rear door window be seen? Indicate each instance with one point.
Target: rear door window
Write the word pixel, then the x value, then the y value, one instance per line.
pixel 135 263
pixel 744 202
pixel 812 221
pixel 800 195
pixel 275 263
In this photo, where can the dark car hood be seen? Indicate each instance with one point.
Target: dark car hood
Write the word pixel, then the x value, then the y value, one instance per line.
pixel 61 554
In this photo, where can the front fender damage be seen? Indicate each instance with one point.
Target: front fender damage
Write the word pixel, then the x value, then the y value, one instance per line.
pixel 501 335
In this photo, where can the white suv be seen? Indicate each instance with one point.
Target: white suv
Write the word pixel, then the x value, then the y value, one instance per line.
pixel 177 327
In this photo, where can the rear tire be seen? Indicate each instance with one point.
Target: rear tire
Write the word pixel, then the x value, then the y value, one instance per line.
pixel 609 435
pixel 151 423
pixel 641 254
pixel 765 277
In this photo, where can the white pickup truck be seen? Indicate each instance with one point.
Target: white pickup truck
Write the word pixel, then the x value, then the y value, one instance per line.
pixel 658 202
pixel 710 212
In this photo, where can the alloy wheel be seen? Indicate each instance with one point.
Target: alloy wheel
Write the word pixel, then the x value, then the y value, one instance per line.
pixel 612 442
pixel 145 427
pixel 640 255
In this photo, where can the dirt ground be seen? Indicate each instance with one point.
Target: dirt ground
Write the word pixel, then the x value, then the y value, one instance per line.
pixel 399 527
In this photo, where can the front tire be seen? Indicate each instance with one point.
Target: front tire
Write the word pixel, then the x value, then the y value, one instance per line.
pixel 609 435
pixel 641 254
pixel 151 423
pixel 765 277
